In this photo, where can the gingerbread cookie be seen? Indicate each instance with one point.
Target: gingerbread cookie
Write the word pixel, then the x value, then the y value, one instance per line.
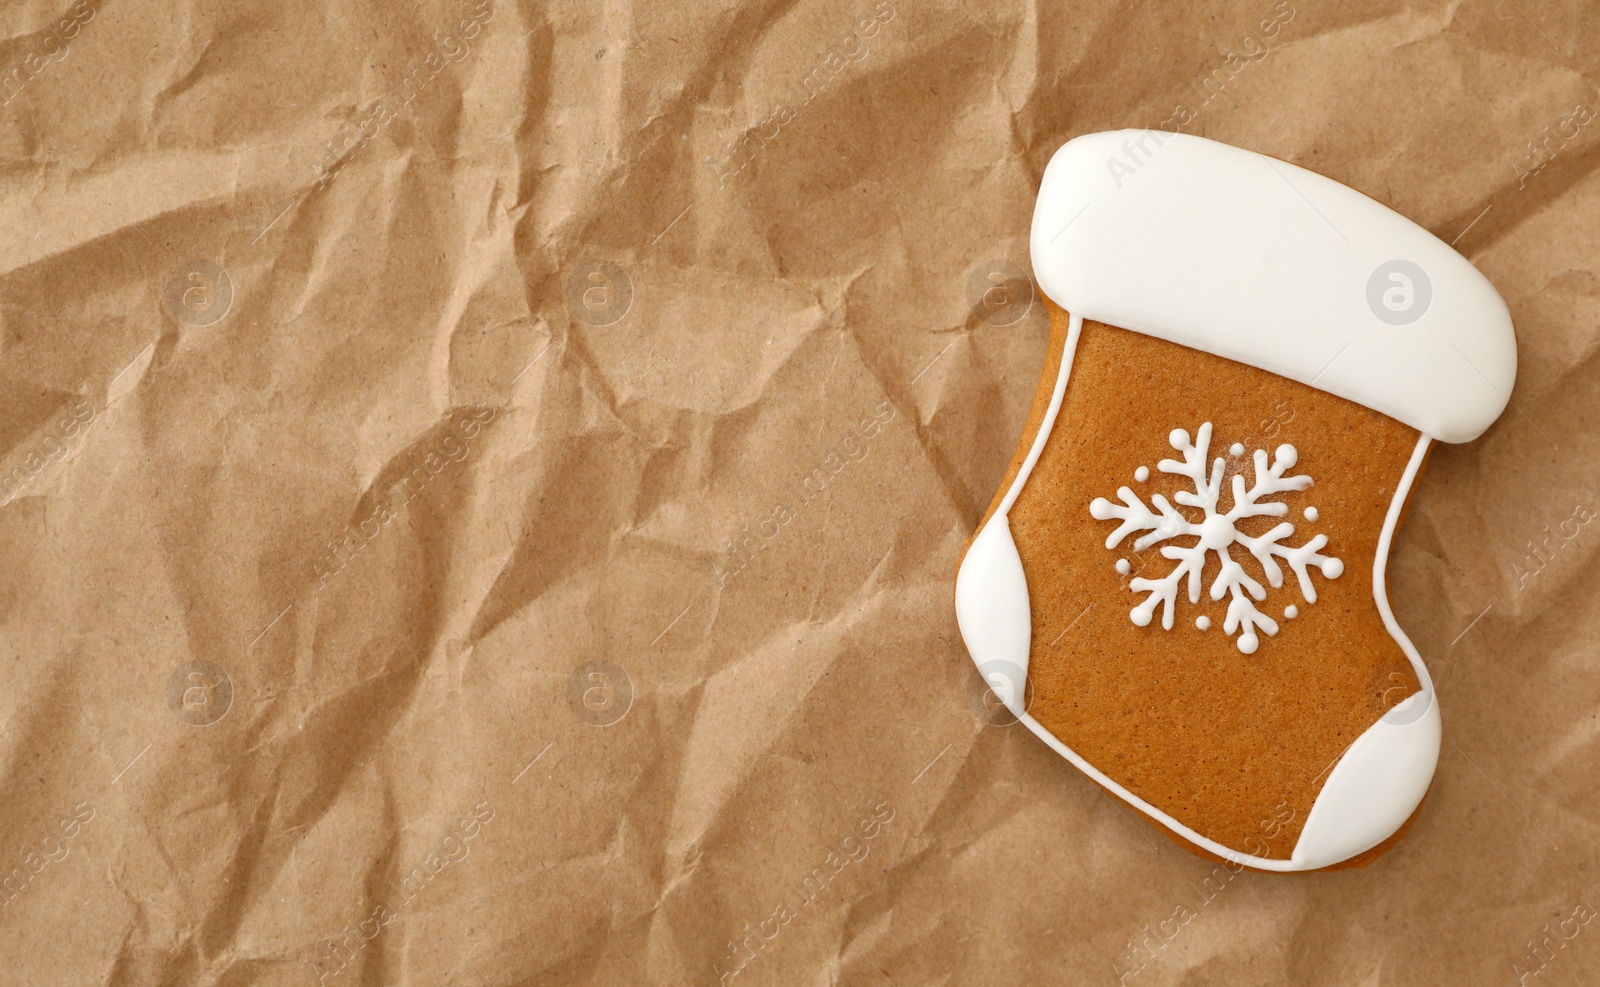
pixel 1179 586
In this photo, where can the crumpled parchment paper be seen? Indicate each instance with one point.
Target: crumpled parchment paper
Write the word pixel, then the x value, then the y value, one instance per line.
pixel 482 480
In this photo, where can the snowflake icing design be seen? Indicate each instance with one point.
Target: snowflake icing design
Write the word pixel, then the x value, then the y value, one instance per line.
pixel 1217 534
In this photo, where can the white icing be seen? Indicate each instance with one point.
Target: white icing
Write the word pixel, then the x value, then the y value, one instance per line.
pixel 1237 449
pixel 1290 612
pixel 1123 566
pixel 1311 514
pixel 991 588
pixel 1074 329
pixel 992 603
pixel 1380 563
pixel 1142 474
pixel 992 613
pixel 1216 534
pixel 1381 778
pixel 1263 262
pixel 1374 788
pixel 1203 622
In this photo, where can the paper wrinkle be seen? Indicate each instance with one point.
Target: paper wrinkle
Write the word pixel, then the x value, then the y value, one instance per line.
pixel 73 203
pixel 743 710
pixel 889 378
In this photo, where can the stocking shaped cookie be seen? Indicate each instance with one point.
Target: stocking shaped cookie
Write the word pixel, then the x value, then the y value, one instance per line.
pixel 1179 586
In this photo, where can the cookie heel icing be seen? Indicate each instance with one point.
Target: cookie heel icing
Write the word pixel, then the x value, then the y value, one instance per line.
pixel 991 591
pixel 1375 786
pixel 992 612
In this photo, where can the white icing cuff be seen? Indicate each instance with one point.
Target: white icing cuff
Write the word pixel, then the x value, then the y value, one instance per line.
pixel 1257 260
